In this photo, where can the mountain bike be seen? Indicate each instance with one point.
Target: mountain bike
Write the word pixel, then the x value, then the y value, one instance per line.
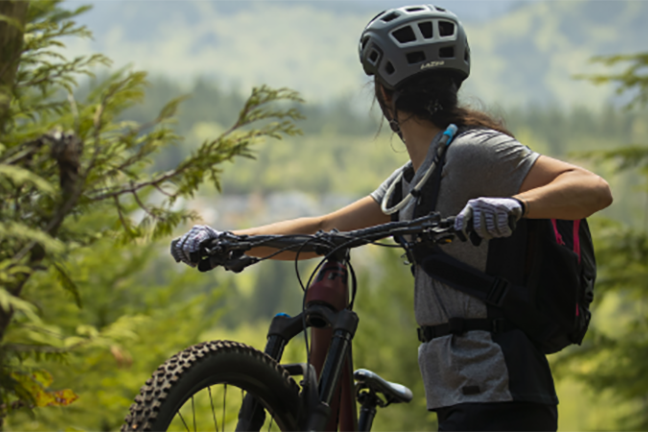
pixel 228 385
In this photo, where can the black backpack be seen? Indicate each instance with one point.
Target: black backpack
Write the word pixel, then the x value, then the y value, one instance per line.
pixel 540 279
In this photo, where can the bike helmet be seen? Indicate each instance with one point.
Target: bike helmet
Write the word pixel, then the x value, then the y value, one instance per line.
pixel 402 42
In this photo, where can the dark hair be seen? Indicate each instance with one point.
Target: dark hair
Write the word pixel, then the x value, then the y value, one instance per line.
pixel 433 97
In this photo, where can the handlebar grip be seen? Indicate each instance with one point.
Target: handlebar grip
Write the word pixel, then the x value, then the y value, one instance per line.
pixel 474 238
pixel 512 222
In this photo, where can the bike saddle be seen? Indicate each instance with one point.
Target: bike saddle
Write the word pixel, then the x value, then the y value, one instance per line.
pixel 394 393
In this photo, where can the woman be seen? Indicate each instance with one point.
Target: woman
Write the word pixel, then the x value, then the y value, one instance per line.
pixel 419 57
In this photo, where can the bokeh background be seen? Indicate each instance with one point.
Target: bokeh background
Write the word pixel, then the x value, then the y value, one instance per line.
pixel 528 61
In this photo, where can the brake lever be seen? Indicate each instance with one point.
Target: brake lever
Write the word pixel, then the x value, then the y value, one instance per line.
pixel 442 232
pixel 235 262
pixel 237 265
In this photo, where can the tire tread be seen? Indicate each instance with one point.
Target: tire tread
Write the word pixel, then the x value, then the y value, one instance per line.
pixel 154 392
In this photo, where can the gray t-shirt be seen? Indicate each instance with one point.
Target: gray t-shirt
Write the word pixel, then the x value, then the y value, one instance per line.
pixel 479 163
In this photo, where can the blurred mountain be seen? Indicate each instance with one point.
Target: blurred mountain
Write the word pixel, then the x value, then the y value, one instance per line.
pixel 531 54
pixel 524 52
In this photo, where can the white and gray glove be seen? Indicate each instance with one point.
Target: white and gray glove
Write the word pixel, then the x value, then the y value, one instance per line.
pixel 490 217
pixel 184 246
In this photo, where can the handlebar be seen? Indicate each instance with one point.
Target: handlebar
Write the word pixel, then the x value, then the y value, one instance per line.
pixel 228 250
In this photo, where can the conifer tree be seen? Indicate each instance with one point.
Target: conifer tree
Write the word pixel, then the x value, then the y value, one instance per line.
pixel 62 159
pixel 614 358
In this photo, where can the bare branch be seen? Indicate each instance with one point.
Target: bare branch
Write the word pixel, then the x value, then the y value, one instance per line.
pixel 159 188
pixel 137 186
pixel 121 215
pixel 142 206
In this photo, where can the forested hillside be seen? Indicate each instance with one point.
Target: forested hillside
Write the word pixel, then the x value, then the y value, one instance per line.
pixel 528 55
pixel 345 152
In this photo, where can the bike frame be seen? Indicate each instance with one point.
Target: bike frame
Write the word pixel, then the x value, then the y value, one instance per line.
pixel 329 399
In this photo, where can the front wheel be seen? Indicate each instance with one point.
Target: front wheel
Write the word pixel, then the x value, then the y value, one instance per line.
pixel 218 385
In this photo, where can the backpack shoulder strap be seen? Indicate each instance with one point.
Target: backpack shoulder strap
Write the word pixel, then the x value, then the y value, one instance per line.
pixel 397 195
pixel 427 201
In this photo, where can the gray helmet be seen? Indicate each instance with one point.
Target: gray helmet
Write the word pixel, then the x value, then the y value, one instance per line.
pixel 400 43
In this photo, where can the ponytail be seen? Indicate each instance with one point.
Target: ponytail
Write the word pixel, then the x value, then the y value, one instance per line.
pixel 433 97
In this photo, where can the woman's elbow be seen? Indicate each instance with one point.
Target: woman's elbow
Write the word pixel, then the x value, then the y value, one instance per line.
pixel 603 194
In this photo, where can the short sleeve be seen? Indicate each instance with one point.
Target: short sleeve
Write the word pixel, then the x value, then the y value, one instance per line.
pixel 379 193
pixel 486 163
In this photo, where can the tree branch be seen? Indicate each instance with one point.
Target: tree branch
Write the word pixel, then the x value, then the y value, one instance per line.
pixel 142 206
pixel 137 186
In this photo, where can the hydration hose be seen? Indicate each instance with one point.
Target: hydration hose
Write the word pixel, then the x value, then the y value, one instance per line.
pixel 444 142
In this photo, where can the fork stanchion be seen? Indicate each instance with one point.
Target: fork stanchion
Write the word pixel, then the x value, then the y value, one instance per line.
pixel 331 335
pixel 282 329
pixel 335 359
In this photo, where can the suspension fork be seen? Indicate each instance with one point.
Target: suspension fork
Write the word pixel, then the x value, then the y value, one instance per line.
pixel 331 348
pixel 332 329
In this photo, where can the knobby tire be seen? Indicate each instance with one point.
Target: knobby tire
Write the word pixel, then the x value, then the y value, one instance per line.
pixel 209 364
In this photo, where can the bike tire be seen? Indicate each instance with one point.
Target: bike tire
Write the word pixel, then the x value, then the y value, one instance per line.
pixel 209 364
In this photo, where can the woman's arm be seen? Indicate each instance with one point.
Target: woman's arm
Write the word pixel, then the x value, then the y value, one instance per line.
pixel 361 214
pixel 557 190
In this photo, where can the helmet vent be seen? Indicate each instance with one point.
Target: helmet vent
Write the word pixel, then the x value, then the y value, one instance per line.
pixel 392 16
pixel 389 68
pixel 374 18
pixel 373 56
pixel 446 52
pixel 404 35
pixel 414 9
pixel 426 29
pixel 440 9
pixel 446 28
pixel 364 42
pixel 415 57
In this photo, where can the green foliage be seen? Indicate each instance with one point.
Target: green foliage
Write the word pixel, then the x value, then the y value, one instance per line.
pixel 138 311
pixel 613 357
pixel 72 174
pixel 341 151
pixel 634 78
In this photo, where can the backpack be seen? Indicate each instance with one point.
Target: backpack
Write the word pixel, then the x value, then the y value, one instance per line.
pixel 540 279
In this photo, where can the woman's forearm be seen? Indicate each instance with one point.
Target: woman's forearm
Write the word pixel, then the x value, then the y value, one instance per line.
pixel 572 195
pixel 306 225
pixel 361 214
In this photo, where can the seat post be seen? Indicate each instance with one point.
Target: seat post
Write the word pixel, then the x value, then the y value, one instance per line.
pixel 368 401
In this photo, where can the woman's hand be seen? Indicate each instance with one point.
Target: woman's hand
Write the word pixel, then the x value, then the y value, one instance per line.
pixel 184 246
pixel 489 217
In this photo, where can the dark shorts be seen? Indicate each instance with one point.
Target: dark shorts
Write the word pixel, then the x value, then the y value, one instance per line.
pixel 499 416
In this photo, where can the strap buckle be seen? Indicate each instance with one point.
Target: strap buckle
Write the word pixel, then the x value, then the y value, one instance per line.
pixel 456 326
